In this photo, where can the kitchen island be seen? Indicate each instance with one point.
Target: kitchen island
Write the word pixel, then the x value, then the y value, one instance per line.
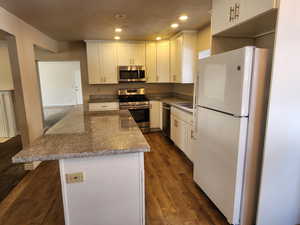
pixel 101 159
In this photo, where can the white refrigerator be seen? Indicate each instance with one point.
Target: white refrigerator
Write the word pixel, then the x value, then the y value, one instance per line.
pixel 230 104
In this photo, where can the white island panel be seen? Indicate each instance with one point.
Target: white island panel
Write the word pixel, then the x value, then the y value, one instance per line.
pixel 112 192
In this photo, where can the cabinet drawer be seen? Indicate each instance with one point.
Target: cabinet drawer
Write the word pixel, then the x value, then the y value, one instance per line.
pixel 182 115
pixel 105 106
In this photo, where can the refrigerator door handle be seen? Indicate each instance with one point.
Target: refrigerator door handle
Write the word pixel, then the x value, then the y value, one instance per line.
pixel 195 122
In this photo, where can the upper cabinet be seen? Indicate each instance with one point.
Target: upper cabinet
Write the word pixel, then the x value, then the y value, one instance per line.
pixel 229 13
pixel 158 61
pixel 131 53
pixel 183 57
pixel 103 58
pixel 108 62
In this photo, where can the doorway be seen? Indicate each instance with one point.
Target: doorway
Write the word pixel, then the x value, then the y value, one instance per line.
pixel 10 114
pixel 61 89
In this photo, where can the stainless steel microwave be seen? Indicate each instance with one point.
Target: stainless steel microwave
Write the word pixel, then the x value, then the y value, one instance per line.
pixel 128 74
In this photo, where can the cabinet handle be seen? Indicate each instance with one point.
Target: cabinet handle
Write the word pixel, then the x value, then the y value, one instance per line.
pixel 174 77
pixel 231 16
pixel 237 11
pixel 175 123
pixel 156 78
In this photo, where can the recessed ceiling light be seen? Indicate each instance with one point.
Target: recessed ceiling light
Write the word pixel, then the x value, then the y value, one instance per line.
pixel 174 25
pixel 118 30
pixel 117 38
pixel 158 38
pixel 183 17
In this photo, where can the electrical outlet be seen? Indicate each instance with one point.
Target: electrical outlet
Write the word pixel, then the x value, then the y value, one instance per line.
pixel 74 177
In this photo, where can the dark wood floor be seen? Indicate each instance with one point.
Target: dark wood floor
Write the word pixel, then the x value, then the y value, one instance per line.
pixel 10 174
pixel 172 198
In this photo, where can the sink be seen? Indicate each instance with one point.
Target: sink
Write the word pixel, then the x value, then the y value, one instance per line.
pixel 186 104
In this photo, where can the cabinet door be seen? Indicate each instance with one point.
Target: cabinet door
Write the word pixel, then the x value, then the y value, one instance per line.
pixel 178 132
pixel 151 62
pixel 108 62
pixel 93 63
pixel 173 53
pixel 178 59
pixel 124 54
pixel 163 61
pixel 256 7
pixel 138 53
pixel 222 15
pixel 155 114
pixel 188 150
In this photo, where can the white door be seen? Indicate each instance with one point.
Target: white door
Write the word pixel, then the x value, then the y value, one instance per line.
pixel 163 61
pixel 151 62
pixel 78 88
pixel 60 83
pixel 224 81
pixel 219 161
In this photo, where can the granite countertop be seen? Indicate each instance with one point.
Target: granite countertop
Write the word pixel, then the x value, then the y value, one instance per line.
pixel 87 134
pixel 175 101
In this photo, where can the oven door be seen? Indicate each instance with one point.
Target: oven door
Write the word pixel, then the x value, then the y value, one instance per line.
pixel 141 117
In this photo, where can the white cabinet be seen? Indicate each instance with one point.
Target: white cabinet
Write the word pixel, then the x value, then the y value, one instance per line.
pixel 178 132
pixel 182 131
pixel 183 57
pixel 256 7
pixel 103 106
pixel 131 53
pixel 102 62
pixel 151 69
pixel 108 62
pixel 155 114
pixel 163 61
pixel 227 14
pixel 93 62
pixel 158 61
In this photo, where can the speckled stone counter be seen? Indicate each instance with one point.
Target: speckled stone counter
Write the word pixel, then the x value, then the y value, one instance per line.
pixel 86 134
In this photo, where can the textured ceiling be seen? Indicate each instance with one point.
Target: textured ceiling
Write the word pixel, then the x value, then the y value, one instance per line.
pixel 70 20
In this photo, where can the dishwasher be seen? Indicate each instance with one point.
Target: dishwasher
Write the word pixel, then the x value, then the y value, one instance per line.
pixel 166 119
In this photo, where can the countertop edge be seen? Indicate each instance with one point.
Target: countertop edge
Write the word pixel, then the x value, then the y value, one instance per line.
pixel 78 155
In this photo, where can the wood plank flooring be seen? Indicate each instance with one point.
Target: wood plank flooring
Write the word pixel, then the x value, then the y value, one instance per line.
pixel 172 198
pixel 10 174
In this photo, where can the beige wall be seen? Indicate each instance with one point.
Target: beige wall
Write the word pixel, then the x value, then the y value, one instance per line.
pixel 77 51
pixel 25 38
pixel 6 81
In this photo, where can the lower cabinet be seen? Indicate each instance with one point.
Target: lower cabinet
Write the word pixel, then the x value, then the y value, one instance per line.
pixel 103 106
pixel 155 115
pixel 182 131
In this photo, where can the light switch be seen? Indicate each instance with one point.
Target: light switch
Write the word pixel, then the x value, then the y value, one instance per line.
pixel 74 177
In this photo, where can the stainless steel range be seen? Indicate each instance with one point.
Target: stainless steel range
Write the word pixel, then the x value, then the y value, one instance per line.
pixel 135 100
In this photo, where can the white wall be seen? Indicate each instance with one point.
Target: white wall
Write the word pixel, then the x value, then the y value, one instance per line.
pixel 279 200
pixel 6 81
pixel 59 81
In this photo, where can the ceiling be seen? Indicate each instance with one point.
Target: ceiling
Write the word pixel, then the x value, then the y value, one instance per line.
pixel 72 20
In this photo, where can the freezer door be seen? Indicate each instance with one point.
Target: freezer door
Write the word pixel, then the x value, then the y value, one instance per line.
pixel 219 160
pixel 224 81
